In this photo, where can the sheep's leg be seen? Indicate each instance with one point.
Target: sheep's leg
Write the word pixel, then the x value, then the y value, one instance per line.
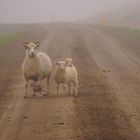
pixel 34 89
pixel 76 88
pixel 48 83
pixel 26 88
pixel 40 82
pixel 34 93
pixel 37 88
pixel 48 86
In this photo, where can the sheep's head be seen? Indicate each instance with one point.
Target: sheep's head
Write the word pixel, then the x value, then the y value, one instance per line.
pixel 61 65
pixel 31 48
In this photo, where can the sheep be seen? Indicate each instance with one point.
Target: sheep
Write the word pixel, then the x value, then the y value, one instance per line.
pixel 66 75
pixel 36 66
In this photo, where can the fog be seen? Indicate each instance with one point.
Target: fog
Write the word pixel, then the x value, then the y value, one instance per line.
pixel 27 11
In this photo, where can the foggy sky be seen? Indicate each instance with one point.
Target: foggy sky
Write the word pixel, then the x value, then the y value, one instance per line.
pixel 22 11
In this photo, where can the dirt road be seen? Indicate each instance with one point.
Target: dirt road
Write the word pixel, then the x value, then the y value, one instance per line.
pixel 108 105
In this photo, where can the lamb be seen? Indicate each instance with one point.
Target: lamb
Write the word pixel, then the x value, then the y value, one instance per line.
pixel 69 62
pixel 37 66
pixel 66 75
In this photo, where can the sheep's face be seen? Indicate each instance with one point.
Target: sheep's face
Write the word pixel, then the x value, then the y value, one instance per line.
pixel 61 65
pixel 31 48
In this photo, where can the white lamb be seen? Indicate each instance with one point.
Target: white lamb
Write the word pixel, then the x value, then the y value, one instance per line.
pixel 68 62
pixel 66 75
pixel 36 66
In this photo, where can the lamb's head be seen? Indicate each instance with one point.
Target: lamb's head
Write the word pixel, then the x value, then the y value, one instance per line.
pixel 61 65
pixel 31 48
pixel 68 62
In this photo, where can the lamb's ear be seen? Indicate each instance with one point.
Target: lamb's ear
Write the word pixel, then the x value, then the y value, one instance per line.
pixel 25 44
pixel 62 60
pixel 71 59
pixel 37 43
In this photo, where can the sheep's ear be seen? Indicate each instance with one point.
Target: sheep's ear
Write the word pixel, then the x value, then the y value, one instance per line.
pixel 26 44
pixel 37 43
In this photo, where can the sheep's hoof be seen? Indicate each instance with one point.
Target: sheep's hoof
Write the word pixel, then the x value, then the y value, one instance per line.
pixel 25 97
pixel 33 95
pixel 44 95
pixel 75 95
pixel 48 92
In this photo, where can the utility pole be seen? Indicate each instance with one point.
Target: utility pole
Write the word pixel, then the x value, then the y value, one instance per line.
pixel 104 20
pixel 52 18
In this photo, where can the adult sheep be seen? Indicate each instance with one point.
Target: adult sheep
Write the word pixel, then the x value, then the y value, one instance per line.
pixel 36 66
pixel 66 75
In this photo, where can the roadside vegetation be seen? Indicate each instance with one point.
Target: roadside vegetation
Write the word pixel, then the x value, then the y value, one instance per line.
pixel 8 38
pixel 129 32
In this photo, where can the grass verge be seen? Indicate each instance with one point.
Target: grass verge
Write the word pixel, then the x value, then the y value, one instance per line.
pixel 8 38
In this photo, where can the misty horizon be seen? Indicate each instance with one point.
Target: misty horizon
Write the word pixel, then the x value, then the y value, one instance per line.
pixel 18 11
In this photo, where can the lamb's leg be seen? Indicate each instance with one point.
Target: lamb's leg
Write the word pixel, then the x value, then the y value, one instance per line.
pixel 64 88
pixel 69 88
pixel 26 88
pixel 40 84
pixel 58 88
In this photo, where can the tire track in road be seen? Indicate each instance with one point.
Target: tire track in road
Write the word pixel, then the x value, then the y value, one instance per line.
pixel 123 77
pixel 11 120
pixel 95 114
pixel 101 114
pixel 50 117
